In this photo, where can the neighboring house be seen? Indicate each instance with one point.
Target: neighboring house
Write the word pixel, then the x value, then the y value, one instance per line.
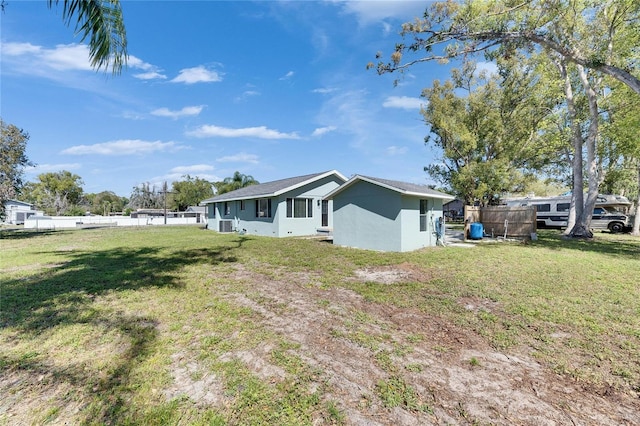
pixel 16 212
pixel 199 212
pixel 282 208
pixel 386 215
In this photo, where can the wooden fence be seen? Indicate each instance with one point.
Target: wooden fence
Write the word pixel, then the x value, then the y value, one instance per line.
pixel 518 221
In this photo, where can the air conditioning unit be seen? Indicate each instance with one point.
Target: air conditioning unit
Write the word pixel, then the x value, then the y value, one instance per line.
pixel 226 226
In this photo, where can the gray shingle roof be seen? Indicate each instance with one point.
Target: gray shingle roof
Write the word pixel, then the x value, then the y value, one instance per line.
pixel 267 189
pixel 402 187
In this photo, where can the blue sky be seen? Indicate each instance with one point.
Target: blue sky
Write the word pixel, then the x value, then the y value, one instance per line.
pixel 270 89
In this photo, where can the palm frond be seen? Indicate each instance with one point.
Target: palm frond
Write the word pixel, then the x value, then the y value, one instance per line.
pixel 102 22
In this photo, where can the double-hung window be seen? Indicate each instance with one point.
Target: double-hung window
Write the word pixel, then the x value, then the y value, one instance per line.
pixel 424 208
pixel 227 208
pixel 299 207
pixel 263 207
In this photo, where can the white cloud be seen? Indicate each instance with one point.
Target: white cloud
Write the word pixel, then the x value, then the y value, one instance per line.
pixel 122 147
pixel 150 75
pixel 39 60
pixel 186 111
pixel 324 90
pixel 67 57
pixel 261 132
pixel 246 94
pixel 403 102
pixel 239 158
pixel 374 11
pixel 396 150
pixel 196 168
pixel 322 130
pixel 199 74
pixel 19 49
pixel 287 76
pixel 46 168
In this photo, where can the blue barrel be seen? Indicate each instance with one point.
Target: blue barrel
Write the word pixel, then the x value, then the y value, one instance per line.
pixel 477 230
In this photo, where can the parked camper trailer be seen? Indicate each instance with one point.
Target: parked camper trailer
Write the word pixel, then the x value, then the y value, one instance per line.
pixel 553 212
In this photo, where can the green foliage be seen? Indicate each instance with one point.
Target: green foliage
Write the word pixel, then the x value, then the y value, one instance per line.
pixel 189 192
pixel 146 196
pixel 620 148
pixel 105 202
pixel 55 192
pixel 602 36
pixel 237 181
pixel 13 144
pixel 487 129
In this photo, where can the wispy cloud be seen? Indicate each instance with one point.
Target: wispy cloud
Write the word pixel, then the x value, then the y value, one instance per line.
pixel 171 177
pixel 324 90
pixel 199 74
pixel 241 157
pixel 38 60
pixel 184 112
pixel 403 102
pixel 287 76
pixel 246 94
pixel 46 168
pixel 322 130
pixel 123 147
pixel 151 72
pixel 150 75
pixel 196 168
pixel 261 132
pixel 371 12
pixel 397 150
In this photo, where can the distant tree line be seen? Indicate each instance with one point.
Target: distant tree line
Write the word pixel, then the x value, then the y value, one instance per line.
pixel 61 193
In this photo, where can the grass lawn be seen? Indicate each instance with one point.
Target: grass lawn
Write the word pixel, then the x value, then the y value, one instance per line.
pixel 178 325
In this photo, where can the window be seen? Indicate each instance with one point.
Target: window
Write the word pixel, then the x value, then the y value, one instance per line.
pixel 227 208
pixel 563 207
pixel 242 206
pixel 543 207
pixel 299 207
pixel 211 210
pixel 263 207
pixel 424 207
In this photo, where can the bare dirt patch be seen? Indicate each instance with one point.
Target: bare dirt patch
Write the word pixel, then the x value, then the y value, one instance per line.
pixel 452 375
pixel 393 274
pixel 192 380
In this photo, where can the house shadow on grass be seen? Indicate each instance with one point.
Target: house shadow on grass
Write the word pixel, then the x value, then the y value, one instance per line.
pixel 64 295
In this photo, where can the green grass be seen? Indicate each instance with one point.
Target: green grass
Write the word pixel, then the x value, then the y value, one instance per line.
pixel 98 316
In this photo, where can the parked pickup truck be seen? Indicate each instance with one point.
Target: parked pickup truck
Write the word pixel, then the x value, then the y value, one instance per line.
pixel 612 220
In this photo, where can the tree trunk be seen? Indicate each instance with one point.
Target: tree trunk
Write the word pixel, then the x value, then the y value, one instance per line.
pixel 583 221
pixel 636 221
pixel 577 195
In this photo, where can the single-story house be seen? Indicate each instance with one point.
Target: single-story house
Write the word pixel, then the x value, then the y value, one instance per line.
pixel 385 215
pixel 282 208
pixel 16 212
pixel 198 212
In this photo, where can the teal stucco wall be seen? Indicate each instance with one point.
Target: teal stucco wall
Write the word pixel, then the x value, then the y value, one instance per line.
pixel 369 216
pixel 278 225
